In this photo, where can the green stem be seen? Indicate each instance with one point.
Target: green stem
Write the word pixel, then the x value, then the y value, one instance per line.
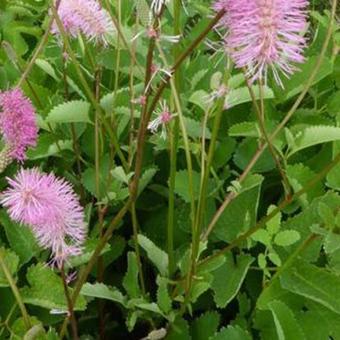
pixel 15 291
pixel 173 141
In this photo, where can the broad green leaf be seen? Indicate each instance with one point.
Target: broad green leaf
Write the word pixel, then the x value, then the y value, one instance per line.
pixel 163 298
pixel 20 238
pixel 313 136
pixel 47 68
pixel 205 326
pixel 130 281
pixel 231 333
pixel 241 95
pixel 76 111
pixel 287 327
pixel 314 283
pixel 295 84
pixel 179 330
pixel 229 278
pixel 11 261
pixel 241 213
pixel 194 128
pixel 245 129
pixel 102 291
pixel 156 255
pixel 286 238
pixel 46 289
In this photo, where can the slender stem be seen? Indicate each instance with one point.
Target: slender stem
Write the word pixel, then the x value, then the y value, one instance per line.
pixel 173 143
pixel 280 207
pixel 137 249
pixel 15 291
pixel 69 304
pixel 261 120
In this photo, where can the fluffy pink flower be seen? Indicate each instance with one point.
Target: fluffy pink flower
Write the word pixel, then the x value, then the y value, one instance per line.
pixel 265 34
pixel 49 206
pixel 17 123
pixel 86 17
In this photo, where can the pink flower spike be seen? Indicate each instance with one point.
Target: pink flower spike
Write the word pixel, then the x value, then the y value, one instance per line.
pixel 265 34
pixel 49 206
pixel 86 17
pixel 17 123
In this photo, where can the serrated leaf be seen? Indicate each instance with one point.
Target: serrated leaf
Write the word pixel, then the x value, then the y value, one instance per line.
pixel 262 236
pixel 102 291
pixel 11 261
pixel 46 289
pixel 229 278
pixel 205 326
pixel 76 111
pixel 146 178
pixel 156 255
pixel 314 283
pixel 274 224
pixel 130 281
pixel 163 298
pixel 313 136
pixel 20 238
pixel 232 333
pixel 286 238
pixel 241 95
pixel 286 324
pixel 244 129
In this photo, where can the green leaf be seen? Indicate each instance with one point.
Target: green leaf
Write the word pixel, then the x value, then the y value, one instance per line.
pixel 241 95
pixel 205 326
pixel 313 136
pixel 156 255
pixel 232 333
pixel 76 111
pixel 194 128
pixel 274 224
pixel 313 283
pixel 295 84
pixel 163 298
pixel 229 278
pixel 146 179
pixel 46 289
pixel 20 238
pixel 241 213
pixel 287 327
pixel 102 291
pixel 244 129
pixel 11 261
pixel 179 330
pixel 326 214
pixel 130 281
pixel 262 236
pixel 286 238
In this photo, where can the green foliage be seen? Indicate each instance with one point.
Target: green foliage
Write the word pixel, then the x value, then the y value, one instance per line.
pixel 251 251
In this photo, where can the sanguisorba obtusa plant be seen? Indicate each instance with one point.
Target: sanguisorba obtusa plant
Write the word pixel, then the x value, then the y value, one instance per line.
pixel 193 194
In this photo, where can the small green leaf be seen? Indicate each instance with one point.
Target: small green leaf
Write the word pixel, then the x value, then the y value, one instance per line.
pixel 11 260
pixel 274 224
pixel 262 261
pixel 326 214
pixel 130 281
pixel 155 254
pixel 102 291
pixel 163 298
pixel 286 238
pixel 228 279
pixel 275 259
pixel 262 236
